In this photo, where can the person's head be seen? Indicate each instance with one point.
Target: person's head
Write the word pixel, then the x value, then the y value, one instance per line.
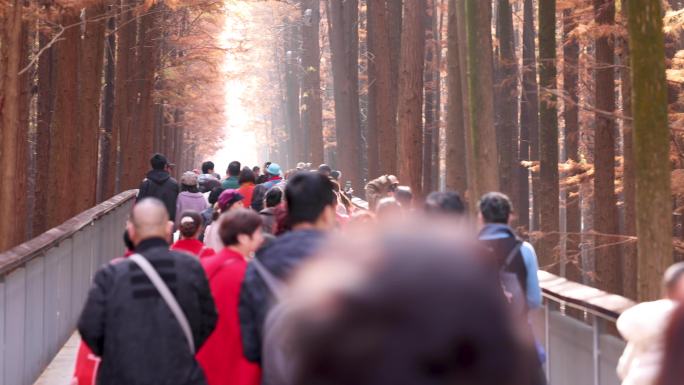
pixel 256 170
pixel 159 162
pixel 215 194
pixel 383 316
pixel 189 182
pixel 336 175
pixel 273 169
pixel 495 207
pixel 404 196
pixel 273 197
pixel 325 169
pixel 234 168
pixel 207 183
pixel 446 203
pixel 230 200
pixel 672 370
pixel 241 231
pixel 247 176
pixel 208 167
pixel 149 219
pixel 393 183
pixel 266 165
pixel 388 208
pixel 190 224
pixel 673 282
pixel 310 200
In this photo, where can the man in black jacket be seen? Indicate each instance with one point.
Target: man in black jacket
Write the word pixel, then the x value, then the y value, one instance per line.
pixel 128 324
pixel 159 184
pixel 311 206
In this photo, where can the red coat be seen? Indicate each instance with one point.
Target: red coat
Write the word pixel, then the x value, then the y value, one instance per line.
pixel 194 247
pixel 222 357
pixel 247 191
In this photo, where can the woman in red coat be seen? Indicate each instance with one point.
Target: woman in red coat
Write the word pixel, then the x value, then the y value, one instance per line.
pixel 221 357
pixel 190 227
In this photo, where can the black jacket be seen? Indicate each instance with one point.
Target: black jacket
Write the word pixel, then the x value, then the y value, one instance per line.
pixel 280 258
pixel 127 323
pixel 160 185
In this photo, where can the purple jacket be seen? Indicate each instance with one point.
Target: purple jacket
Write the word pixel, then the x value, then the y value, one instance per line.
pixel 189 201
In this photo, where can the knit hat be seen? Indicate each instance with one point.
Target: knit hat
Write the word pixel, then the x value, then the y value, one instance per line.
pixel 189 178
pixel 273 169
pixel 228 198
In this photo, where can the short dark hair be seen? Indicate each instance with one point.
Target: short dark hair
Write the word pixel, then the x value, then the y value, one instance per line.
pixel 158 162
pixel 189 227
pixel 256 169
pixel 207 166
pixel 495 207
pixel 273 197
pixel 234 168
pixel 128 242
pixel 307 195
pixel 247 175
pixel 241 221
pixel 324 168
pixel 215 194
pixel 404 195
pixel 336 174
pixel 447 202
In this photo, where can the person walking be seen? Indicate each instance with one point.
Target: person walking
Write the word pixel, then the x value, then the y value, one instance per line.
pixel 247 183
pixel 380 188
pixel 159 184
pixel 189 199
pixel 128 320
pixel 448 203
pixel 227 201
pixel 232 181
pixel 273 199
pixel 311 206
pixel 273 178
pixel 222 357
pixel 190 227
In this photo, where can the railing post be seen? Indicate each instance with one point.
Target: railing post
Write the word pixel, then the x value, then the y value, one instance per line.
pixel 596 348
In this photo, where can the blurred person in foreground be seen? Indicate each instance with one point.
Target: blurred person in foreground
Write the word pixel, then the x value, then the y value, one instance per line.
pixel 222 357
pixel 311 204
pixel 381 316
pixel 404 195
pixel 127 323
pixel 643 327
pixel 672 364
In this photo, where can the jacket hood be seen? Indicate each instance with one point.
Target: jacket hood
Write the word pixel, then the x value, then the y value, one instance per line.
pixel 158 176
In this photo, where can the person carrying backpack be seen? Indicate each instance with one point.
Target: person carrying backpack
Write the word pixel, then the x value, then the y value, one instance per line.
pixel 515 259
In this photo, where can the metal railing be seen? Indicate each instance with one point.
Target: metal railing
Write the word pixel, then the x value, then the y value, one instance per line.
pixel 44 283
pixel 581 348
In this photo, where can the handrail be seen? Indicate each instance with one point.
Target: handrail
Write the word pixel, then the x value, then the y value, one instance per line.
pixel 23 253
pixel 597 302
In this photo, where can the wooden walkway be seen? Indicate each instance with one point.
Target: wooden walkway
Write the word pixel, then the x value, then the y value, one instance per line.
pixel 61 369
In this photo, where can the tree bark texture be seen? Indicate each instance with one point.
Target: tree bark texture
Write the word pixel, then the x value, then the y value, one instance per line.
pixel 483 155
pixel 110 135
pixel 651 145
pixel 312 105
pixel 529 119
pixel 548 135
pixel 410 104
pixel 456 171
pixel 430 94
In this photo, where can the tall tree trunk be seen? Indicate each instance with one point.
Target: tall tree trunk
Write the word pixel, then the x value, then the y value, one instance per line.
pixel 437 137
pixel 606 217
pixel 344 46
pixel 124 106
pixel 23 215
pixel 548 134
pixel 529 120
pixel 409 108
pixel 381 117
pixel 483 156
pixel 395 21
pixel 456 172
pixel 571 119
pixel 430 93
pixel 629 251
pixel 91 60
pixel 508 93
pixel 311 83
pixel 110 136
pixel 292 88
pixel 10 89
pixel 64 147
pixel 45 107
pixel 651 145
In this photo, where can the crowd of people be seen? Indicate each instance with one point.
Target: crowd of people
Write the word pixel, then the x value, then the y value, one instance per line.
pixel 277 278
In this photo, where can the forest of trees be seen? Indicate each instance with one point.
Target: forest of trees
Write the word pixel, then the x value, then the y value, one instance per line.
pixel 574 108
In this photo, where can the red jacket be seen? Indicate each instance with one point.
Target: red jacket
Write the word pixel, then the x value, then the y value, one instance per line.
pixel 222 357
pixel 194 247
